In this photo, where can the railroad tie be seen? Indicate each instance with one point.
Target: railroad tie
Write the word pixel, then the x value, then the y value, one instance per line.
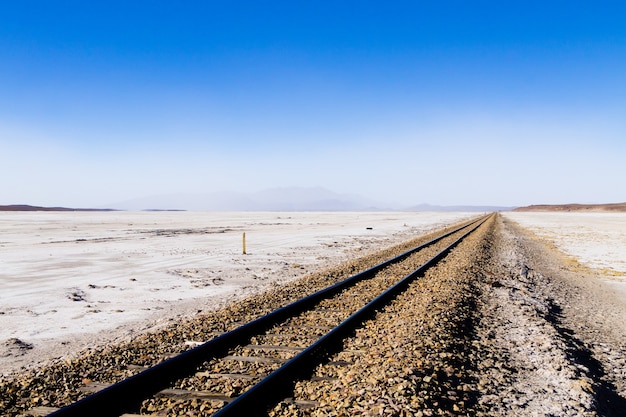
pixel 207 374
pixel 253 359
pixel 39 411
pixel 92 387
pixel 194 395
pixel 274 347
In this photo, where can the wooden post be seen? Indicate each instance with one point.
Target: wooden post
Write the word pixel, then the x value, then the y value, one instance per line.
pixel 244 243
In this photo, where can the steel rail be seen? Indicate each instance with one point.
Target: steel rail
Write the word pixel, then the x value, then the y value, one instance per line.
pixel 270 390
pixel 128 394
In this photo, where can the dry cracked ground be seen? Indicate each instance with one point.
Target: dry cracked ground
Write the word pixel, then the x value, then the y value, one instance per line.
pixel 504 327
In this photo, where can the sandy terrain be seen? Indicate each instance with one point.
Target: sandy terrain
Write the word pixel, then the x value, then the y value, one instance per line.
pixel 597 240
pixel 69 280
pixel 590 240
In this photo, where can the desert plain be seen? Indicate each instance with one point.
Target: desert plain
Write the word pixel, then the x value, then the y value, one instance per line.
pixel 72 280
pixel 595 240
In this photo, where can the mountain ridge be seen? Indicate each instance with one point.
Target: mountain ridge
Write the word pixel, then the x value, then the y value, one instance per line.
pixel 283 199
pixel 609 207
pixel 27 207
pixel 273 199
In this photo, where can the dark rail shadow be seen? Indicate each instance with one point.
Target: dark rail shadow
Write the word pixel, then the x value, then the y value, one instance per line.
pixel 608 403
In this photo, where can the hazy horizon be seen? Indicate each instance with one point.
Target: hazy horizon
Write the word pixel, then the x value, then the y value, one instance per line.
pixel 481 103
pixel 276 199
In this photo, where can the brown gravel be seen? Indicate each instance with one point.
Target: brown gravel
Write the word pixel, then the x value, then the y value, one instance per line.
pixel 411 358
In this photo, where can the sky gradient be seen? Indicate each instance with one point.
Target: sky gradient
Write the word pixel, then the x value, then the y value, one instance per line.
pixel 484 102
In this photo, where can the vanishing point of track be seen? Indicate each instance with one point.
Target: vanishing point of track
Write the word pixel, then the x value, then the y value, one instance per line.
pixel 264 358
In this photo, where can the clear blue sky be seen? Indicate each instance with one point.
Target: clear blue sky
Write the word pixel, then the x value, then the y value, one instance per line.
pixel 445 102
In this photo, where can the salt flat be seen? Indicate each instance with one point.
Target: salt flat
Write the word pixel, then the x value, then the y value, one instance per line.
pixel 74 279
pixel 597 240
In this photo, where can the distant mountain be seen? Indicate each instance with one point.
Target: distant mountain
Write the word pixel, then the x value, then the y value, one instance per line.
pixel 429 207
pixel 280 199
pixel 613 207
pixel 26 207
pixel 275 199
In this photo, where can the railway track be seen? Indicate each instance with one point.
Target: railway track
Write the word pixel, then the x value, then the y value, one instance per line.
pixel 247 370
